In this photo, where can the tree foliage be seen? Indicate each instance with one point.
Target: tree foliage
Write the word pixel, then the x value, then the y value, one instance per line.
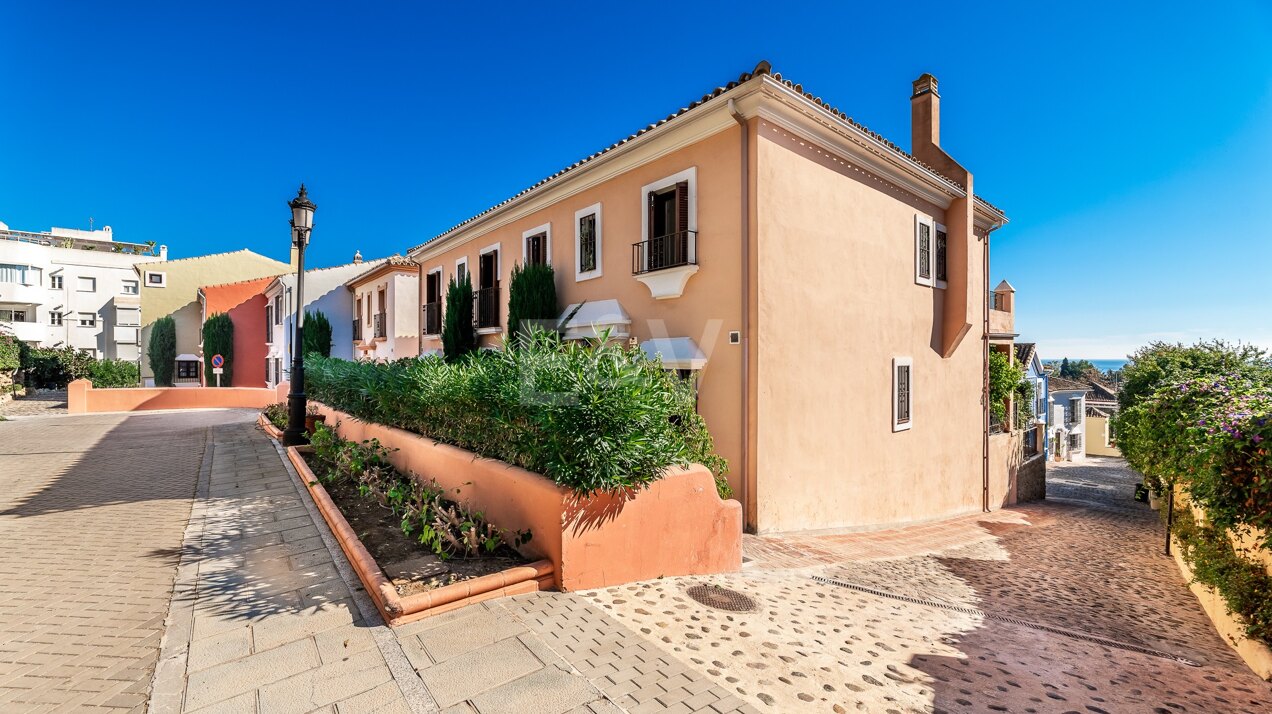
pixel 54 367
pixel 161 351
pixel 10 353
pixel 317 333
pixel 458 335
pixel 218 339
pixel 1005 381
pixel 532 297
pixel 113 373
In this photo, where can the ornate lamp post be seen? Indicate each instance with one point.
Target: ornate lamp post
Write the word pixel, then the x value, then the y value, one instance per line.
pixel 302 223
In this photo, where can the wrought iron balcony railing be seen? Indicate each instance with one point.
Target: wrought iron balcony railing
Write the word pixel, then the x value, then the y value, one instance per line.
pixel 669 251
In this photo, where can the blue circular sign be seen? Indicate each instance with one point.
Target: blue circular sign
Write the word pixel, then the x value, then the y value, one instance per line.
pixel 218 361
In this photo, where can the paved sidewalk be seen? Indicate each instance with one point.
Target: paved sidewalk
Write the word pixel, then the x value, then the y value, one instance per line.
pixel 46 402
pixel 92 510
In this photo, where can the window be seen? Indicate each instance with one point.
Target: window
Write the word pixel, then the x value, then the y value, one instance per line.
pixel 461 269
pixel 278 309
pixel 88 319
pixel 587 243
pixel 670 226
pixel 55 318
pixel 13 316
pixel 14 273
pixel 536 245
pixel 269 324
pixel 941 243
pixel 156 280
pixel 1073 414
pixel 487 292
pixel 55 282
pixel 86 285
pixel 381 323
pixel 902 393
pixel 923 249
pixel 187 369
pixel 130 287
pixel 128 317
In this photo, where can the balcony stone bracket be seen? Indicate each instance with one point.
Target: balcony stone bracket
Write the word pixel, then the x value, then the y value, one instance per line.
pixel 668 282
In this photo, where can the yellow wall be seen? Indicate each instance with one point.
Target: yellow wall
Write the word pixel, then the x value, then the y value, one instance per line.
pixel 837 302
pixel 1097 438
pixel 180 297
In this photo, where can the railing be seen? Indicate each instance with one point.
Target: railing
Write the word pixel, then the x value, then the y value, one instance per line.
pixel 432 318
pixel 663 252
pixel 381 324
pixel 486 307
pixel 997 301
pixel 1033 441
pixel 357 330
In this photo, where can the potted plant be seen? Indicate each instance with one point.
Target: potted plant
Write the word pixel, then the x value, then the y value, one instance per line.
pixel 312 417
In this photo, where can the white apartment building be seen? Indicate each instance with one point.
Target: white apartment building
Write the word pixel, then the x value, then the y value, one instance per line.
pixel 73 287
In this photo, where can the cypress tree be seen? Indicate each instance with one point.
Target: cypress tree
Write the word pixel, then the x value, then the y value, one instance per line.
pixel 161 351
pixel 531 296
pixel 317 333
pixel 218 339
pixel 458 336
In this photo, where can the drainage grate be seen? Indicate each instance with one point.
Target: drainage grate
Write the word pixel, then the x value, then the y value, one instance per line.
pixel 721 598
pixel 1103 641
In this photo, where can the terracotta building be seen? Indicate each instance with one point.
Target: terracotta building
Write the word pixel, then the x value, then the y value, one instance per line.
pixel 825 289
pixel 244 302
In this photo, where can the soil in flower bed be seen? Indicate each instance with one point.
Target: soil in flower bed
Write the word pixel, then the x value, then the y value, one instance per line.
pixel 411 567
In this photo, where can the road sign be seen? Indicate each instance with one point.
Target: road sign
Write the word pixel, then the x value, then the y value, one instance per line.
pixel 218 362
pixel 218 370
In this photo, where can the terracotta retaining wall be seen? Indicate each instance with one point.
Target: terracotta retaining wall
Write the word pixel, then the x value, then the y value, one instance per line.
pixel 677 525
pixel 81 398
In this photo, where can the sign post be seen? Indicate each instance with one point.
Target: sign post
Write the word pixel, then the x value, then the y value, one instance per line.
pixel 218 367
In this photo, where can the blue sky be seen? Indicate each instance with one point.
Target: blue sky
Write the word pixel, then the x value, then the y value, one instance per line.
pixel 1128 143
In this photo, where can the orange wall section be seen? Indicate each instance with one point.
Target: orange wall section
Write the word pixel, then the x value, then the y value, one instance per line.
pixel 245 303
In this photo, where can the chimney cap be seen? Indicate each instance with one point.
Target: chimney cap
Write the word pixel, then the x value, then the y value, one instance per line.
pixel 925 84
pixel 357 256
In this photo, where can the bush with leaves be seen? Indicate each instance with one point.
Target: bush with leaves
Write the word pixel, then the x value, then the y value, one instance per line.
pixel 113 374
pixel 218 339
pixel 161 351
pixel 458 335
pixel 276 414
pixel 446 528
pixel 1004 382
pixel 54 367
pixel 10 354
pixel 317 333
pixel 1243 583
pixel 591 416
pixel 532 297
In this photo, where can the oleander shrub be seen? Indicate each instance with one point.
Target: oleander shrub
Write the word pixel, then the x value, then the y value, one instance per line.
pixel 591 416
pixel 113 374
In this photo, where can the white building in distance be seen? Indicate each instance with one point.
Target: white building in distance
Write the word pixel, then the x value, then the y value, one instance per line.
pixel 73 287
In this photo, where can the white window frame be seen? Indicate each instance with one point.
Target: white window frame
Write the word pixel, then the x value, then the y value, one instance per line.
pixel 136 287
pixel 546 228
pixel 56 317
pixel 896 363
pixel 58 280
pixel 937 282
pixel 79 284
pixel 163 279
pixel 689 175
pixel 79 319
pixel 921 219
pixel 579 274
pixel 464 262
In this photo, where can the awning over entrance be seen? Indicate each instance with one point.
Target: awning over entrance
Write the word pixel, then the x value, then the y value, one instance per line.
pixel 676 352
pixel 593 318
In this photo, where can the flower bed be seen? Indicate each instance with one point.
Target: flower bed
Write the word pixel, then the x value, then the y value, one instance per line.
pixel 416 552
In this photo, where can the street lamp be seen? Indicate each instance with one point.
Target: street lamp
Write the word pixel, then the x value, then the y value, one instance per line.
pixel 302 222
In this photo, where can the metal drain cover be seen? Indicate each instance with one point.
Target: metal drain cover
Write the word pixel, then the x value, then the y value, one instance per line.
pixel 721 598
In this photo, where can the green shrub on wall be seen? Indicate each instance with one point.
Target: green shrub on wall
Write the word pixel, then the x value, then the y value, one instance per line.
pixel 54 367
pixel 218 339
pixel 593 417
pixel 532 297
pixel 10 354
pixel 113 373
pixel 458 336
pixel 1004 381
pixel 161 351
pixel 317 333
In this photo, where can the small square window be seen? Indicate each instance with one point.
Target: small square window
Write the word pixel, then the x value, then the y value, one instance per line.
pixel 55 318
pixel 87 285
pixel 130 287
pixel 88 319
pixel 55 282
pixel 156 280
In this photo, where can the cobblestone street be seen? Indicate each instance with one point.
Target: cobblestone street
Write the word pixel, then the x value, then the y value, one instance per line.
pixel 46 402
pixel 968 621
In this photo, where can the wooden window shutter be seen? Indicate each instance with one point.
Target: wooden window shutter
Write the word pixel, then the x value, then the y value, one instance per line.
pixel 682 206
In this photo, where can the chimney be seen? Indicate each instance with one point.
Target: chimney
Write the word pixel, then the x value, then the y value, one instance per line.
pixel 357 257
pixel 925 116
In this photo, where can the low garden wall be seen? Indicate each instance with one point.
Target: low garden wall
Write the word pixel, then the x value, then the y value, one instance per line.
pixel 677 525
pixel 82 398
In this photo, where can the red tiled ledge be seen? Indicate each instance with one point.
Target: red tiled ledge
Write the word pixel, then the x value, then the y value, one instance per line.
pixel 399 610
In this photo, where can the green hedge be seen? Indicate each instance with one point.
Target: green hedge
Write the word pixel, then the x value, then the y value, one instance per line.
pixel 593 417
pixel 113 374
pixel 54 367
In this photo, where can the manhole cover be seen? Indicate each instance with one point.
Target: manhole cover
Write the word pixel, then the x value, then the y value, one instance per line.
pixel 721 598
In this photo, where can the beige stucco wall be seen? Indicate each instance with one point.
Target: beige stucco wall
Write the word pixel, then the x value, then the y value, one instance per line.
pixel 402 310
pixel 710 305
pixel 180 297
pixel 1097 438
pixel 837 302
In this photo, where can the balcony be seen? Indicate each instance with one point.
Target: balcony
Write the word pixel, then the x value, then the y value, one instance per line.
pixel 27 331
pixel 486 308
pixel 125 334
pixel 380 325
pixel 357 330
pixel 664 264
pixel 22 294
pixel 433 318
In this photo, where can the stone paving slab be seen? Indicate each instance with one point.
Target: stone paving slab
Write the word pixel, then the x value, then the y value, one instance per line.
pixel 45 402
pixel 92 510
